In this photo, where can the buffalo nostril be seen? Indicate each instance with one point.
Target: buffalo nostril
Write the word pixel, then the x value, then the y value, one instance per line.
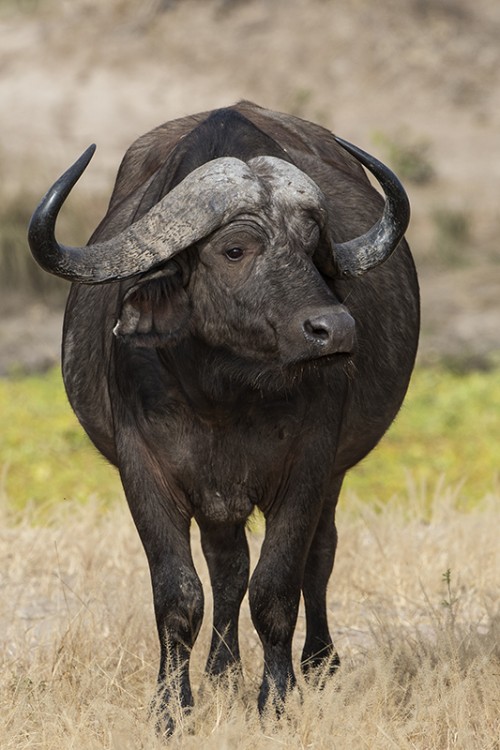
pixel 317 329
pixel 330 332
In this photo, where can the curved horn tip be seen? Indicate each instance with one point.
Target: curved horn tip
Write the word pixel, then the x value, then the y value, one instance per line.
pixel 82 162
pixel 73 173
pixel 88 153
pixel 41 240
pixel 363 156
pixel 62 187
pixel 388 180
pixel 356 257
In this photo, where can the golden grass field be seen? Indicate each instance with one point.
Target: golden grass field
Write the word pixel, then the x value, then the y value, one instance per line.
pixel 414 597
pixel 420 647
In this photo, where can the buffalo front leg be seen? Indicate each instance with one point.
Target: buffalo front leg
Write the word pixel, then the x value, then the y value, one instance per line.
pixel 177 590
pixel 178 603
pixel 275 594
pixel 226 552
pixel 319 652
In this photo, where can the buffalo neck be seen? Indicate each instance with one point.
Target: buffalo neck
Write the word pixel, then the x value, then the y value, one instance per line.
pixel 216 384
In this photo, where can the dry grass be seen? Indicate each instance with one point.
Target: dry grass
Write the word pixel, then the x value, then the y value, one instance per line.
pixel 421 652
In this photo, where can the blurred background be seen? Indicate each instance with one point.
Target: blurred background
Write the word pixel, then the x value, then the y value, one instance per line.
pixel 415 82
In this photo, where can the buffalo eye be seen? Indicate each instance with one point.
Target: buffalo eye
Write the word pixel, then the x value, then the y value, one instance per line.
pixel 234 253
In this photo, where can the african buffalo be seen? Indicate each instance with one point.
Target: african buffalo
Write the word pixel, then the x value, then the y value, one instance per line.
pixel 239 333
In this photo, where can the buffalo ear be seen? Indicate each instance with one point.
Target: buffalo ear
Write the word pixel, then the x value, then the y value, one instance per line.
pixel 155 310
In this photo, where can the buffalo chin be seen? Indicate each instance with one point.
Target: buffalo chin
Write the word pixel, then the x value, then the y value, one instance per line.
pixel 221 374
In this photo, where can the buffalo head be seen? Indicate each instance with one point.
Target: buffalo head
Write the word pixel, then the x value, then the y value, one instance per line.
pixel 238 254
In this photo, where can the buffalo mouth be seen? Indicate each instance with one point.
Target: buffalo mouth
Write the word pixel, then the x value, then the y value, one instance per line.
pixel 289 376
pixel 320 362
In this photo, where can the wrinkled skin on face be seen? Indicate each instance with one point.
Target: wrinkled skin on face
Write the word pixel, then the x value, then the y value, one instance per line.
pixel 266 288
pixel 251 289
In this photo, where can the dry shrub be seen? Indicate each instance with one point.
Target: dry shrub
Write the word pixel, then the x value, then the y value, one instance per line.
pixel 413 608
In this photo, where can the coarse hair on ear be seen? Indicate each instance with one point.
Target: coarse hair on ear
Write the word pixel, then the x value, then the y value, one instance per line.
pixel 155 310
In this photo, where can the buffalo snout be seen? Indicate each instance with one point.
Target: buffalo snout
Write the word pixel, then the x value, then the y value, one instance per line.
pixel 330 331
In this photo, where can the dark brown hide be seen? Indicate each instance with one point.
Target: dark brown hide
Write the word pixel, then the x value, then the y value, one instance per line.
pixel 246 373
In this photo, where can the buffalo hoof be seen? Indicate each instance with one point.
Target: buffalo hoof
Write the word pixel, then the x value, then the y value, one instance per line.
pixel 319 668
pixel 168 713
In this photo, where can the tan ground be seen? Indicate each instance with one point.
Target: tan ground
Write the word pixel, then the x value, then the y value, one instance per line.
pixel 421 662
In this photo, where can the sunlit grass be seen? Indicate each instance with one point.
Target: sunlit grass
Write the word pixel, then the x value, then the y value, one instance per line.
pixel 45 457
pixel 448 429
pixel 416 624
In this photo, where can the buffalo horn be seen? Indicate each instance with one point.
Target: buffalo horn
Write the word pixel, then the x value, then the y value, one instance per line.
pixel 207 198
pixel 357 256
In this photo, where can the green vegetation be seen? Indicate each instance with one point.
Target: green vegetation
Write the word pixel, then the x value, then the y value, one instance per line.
pixel 448 433
pixel 45 457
